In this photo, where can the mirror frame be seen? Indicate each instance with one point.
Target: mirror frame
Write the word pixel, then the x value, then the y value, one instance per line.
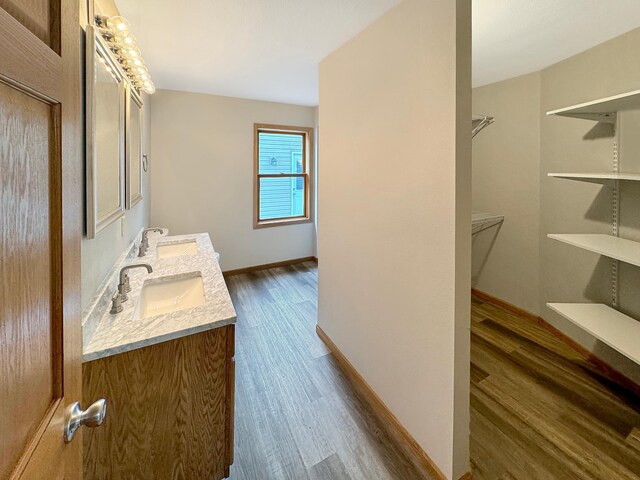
pixel 133 100
pixel 95 45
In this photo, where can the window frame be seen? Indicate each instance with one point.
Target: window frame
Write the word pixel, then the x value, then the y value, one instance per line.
pixel 307 155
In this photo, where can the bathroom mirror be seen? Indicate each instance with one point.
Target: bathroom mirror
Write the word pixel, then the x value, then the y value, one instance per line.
pixel 134 147
pixel 105 112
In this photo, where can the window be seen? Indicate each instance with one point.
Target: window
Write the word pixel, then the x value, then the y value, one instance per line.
pixel 282 182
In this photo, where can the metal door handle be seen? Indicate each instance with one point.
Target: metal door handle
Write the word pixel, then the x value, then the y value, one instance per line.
pixel 91 417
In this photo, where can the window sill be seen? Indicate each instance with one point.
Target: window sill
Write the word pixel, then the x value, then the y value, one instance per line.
pixel 281 222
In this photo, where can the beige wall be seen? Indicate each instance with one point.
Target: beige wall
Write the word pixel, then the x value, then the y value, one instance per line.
pixel 100 254
pixel 105 7
pixel 506 170
pixel 202 164
pixel 395 175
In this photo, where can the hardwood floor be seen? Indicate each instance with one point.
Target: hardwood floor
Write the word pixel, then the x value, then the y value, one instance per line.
pixel 539 410
pixel 296 416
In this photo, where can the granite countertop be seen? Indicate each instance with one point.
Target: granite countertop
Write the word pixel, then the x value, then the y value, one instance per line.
pixel 106 334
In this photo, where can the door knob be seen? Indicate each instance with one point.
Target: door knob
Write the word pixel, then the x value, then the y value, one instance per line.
pixel 91 417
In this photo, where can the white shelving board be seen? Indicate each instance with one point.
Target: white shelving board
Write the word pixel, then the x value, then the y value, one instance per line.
pixel 621 249
pixel 620 332
pixel 482 221
pixel 602 110
pixel 597 177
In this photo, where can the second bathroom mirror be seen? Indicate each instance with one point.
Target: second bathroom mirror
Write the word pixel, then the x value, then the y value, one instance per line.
pixel 134 147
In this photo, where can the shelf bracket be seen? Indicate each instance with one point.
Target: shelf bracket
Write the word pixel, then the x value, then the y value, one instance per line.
pixel 478 122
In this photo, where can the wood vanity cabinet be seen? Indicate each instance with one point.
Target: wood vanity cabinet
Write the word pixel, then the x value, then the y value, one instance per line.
pixel 169 410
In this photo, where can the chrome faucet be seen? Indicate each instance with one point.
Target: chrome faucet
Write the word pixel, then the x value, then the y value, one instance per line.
pixel 144 243
pixel 123 286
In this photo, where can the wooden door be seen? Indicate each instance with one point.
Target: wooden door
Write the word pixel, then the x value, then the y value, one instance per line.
pixel 40 232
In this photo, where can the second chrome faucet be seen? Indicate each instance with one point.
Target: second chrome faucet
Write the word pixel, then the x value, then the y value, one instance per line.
pixel 144 243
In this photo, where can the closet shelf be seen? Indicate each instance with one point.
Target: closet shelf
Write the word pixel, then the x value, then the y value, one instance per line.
pixel 597 177
pixel 615 329
pixel 602 110
pixel 482 221
pixel 621 249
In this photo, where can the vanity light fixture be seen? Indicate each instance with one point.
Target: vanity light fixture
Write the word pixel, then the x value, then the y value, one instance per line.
pixel 117 34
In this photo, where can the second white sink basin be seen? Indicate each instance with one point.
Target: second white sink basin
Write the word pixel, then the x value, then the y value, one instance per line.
pixel 169 294
pixel 176 249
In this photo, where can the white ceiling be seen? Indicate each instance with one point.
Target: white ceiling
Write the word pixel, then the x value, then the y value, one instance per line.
pixel 270 49
pixel 514 37
pixel 260 49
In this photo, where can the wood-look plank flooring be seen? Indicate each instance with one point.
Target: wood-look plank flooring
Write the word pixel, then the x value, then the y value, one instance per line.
pixel 296 416
pixel 539 410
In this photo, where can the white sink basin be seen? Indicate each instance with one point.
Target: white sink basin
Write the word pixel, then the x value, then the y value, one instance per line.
pixel 176 249
pixel 169 294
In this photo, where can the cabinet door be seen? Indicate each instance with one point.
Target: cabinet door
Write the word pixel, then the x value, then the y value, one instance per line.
pixel 168 410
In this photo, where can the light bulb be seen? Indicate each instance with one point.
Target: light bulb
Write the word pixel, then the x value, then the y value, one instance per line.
pixel 118 24
pixel 150 89
pixel 124 39
pixel 132 52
